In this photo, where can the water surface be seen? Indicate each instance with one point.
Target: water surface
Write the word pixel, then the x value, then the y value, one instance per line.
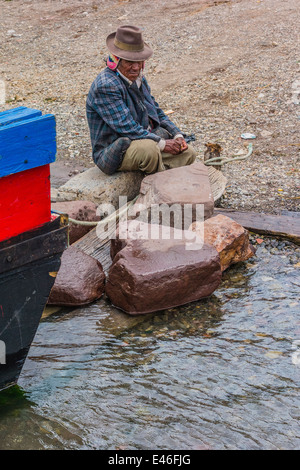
pixel 221 373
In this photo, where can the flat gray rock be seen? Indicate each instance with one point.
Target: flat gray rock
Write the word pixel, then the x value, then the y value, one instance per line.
pixel 95 186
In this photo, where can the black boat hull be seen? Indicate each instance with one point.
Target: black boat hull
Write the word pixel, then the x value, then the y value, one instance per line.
pixel 28 267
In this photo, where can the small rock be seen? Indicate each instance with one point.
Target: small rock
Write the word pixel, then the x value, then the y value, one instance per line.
pixel 80 280
pixel 266 134
pixel 230 239
pixel 83 211
pixel 13 34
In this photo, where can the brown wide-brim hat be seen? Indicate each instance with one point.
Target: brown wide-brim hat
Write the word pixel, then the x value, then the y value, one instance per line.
pixel 127 43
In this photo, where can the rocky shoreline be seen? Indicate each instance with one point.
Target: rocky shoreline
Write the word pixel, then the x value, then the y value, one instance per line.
pixel 170 250
pixel 222 68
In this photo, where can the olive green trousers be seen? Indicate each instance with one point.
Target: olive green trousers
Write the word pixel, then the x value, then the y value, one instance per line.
pixel 144 155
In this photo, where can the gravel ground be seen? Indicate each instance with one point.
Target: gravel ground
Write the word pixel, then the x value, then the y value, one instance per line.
pixel 222 67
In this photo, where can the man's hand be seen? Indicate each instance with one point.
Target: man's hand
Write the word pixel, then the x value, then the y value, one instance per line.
pixel 175 146
pixel 183 143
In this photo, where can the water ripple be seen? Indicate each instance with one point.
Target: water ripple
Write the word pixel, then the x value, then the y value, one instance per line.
pixel 214 374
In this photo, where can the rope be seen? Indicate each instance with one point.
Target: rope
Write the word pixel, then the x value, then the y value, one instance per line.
pixel 107 219
pixel 77 222
pixel 220 161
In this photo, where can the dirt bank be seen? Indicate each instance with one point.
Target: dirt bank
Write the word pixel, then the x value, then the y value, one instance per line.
pixel 223 67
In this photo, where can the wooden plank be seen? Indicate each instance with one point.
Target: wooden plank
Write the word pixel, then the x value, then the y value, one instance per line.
pixel 282 226
pixel 54 224
pixel 18 114
pixel 27 144
pixel 36 248
pixel 290 213
pixel 96 247
pixel 99 247
pixel 25 201
pixel 12 110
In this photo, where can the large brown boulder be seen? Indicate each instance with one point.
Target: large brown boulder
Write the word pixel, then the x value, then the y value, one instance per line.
pixel 229 238
pixel 180 189
pixel 80 280
pixel 78 210
pixel 152 275
pixel 137 230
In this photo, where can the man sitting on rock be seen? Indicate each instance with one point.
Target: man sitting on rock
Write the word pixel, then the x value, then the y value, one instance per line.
pixel 128 129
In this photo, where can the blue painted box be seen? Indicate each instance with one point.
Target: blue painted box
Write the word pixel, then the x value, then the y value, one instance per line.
pixel 27 140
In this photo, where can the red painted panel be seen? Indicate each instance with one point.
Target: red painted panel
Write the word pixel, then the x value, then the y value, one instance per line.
pixel 24 201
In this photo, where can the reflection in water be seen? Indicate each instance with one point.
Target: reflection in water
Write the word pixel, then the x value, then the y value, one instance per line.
pixel 21 427
pixel 214 374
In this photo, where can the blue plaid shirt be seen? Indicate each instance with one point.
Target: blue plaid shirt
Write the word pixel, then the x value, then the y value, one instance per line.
pixel 118 113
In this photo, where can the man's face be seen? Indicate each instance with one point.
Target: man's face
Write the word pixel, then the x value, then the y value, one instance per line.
pixel 130 70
